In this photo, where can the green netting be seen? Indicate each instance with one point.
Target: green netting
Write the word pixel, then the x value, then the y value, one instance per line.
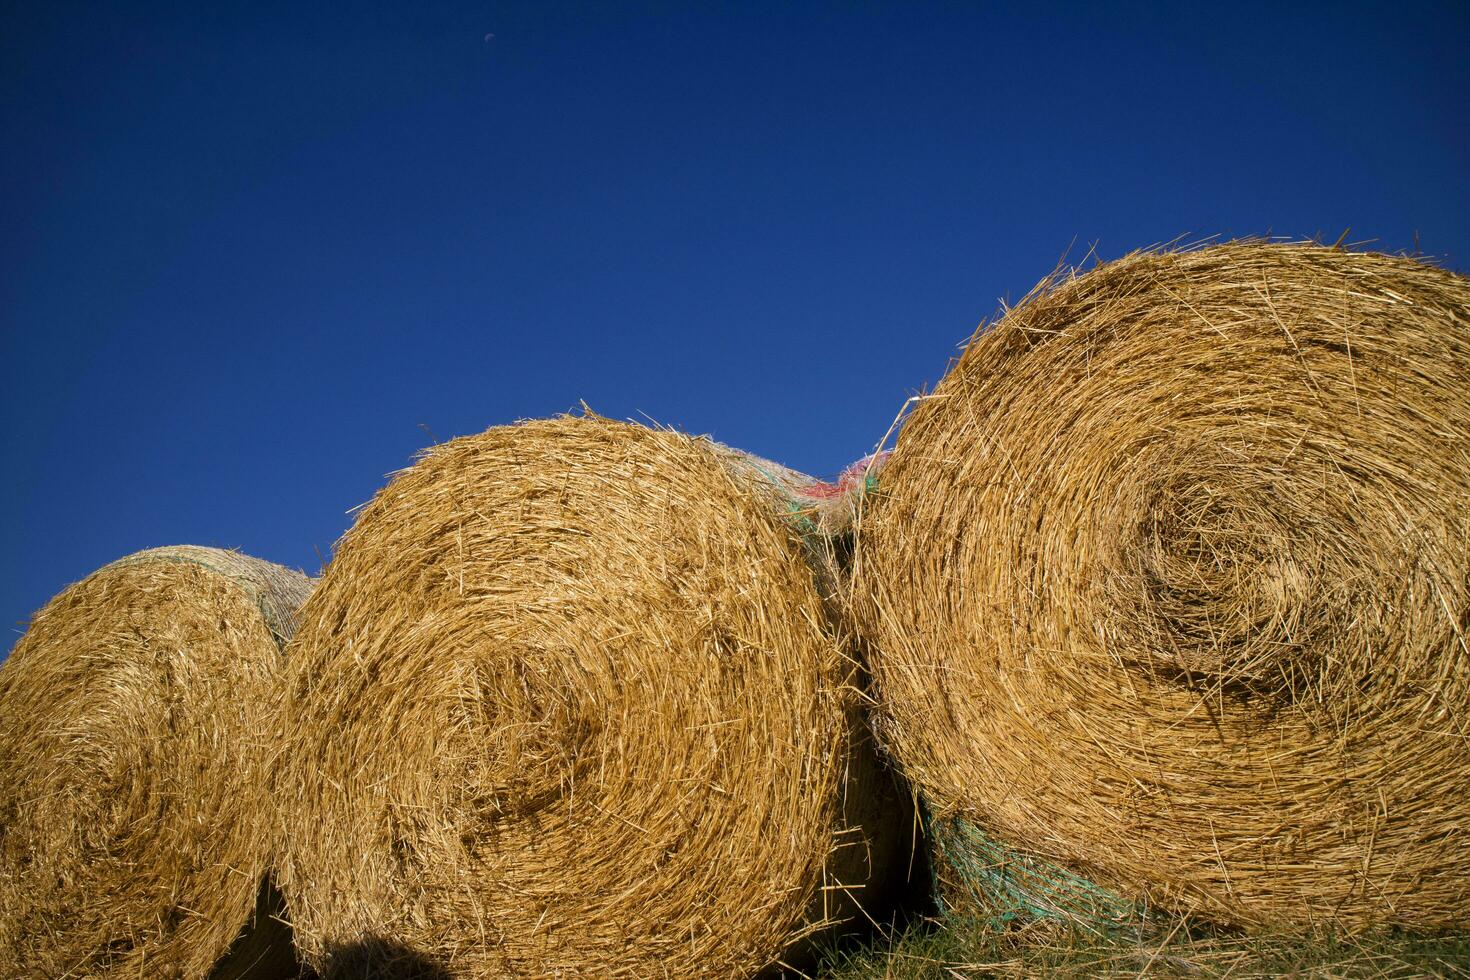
pixel 1007 885
pixel 798 510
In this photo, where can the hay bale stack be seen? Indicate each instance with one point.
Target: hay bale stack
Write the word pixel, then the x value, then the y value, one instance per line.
pixel 566 704
pixel 132 719
pixel 1168 585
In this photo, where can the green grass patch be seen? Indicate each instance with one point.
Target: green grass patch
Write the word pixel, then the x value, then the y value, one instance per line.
pixel 958 949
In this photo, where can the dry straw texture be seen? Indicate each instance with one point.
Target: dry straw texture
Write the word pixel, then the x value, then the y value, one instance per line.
pixel 566 704
pixel 132 715
pixel 1167 583
pixel 822 512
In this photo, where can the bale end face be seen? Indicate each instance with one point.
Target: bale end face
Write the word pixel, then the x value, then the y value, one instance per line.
pixel 1171 584
pixel 567 701
pixel 132 718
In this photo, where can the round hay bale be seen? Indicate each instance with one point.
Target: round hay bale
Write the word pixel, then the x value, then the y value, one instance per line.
pixel 566 703
pixel 1168 585
pixel 132 716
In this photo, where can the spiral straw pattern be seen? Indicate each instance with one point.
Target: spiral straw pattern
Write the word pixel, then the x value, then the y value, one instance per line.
pixel 567 703
pixel 1168 583
pixel 133 721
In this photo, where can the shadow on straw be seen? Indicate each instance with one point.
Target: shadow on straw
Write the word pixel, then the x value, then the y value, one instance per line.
pixel 381 959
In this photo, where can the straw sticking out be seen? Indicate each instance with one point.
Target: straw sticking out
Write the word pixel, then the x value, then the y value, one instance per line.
pixel 1168 585
pixel 567 702
pixel 132 715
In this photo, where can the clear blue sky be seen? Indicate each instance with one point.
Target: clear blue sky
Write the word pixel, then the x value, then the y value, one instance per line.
pixel 250 253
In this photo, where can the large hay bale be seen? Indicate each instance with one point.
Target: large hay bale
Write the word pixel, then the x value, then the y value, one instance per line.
pixel 565 703
pixel 132 721
pixel 1167 588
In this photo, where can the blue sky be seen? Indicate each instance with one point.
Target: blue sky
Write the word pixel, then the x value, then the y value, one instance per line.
pixel 255 256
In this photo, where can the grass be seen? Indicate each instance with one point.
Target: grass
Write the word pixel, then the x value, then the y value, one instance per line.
pixel 958 949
